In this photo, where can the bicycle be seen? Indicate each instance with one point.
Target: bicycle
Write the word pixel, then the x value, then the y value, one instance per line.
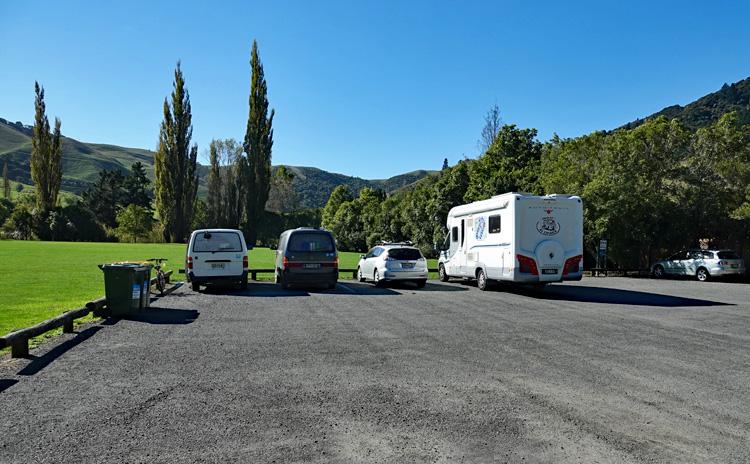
pixel 161 278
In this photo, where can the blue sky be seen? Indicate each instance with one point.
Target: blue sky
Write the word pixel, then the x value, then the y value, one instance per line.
pixel 371 89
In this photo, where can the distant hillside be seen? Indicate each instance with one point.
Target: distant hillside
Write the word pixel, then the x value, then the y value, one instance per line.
pixel 708 109
pixel 83 161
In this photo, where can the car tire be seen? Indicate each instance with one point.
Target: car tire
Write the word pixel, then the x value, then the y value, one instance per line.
pixel 243 284
pixel 331 285
pixel 421 283
pixel 702 274
pixel 376 279
pixel 658 272
pixel 443 275
pixel 195 286
pixel 360 277
pixel 482 283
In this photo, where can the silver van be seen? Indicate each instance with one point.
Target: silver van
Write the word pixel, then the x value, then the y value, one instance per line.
pixel 216 255
pixel 307 256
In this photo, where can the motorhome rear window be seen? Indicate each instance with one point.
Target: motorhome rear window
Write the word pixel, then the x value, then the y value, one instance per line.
pixel 307 241
pixel 495 224
pixel 405 253
pixel 217 241
pixel 728 255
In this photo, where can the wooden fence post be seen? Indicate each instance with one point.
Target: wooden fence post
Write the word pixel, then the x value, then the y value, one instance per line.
pixel 20 348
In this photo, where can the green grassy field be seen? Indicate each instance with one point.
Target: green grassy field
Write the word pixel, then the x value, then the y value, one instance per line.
pixel 39 280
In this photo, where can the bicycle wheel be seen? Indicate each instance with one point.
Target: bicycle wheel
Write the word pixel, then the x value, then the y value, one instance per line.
pixel 160 282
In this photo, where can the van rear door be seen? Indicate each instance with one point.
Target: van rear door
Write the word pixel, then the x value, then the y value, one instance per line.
pixel 217 254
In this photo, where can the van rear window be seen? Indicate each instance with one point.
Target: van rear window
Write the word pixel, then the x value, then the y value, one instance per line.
pixel 410 254
pixel 306 241
pixel 217 241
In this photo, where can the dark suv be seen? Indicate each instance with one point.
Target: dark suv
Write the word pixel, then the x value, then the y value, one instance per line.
pixel 307 256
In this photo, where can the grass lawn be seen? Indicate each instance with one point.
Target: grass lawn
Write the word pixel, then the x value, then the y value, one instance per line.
pixel 39 280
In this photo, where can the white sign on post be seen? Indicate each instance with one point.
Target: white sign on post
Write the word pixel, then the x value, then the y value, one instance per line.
pixel 603 245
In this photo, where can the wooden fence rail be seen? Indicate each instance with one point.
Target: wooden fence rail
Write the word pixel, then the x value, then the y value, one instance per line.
pixel 18 341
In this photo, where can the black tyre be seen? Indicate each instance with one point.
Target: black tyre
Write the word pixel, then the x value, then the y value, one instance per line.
pixel 443 275
pixel 376 279
pixel 195 286
pixel 421 283
pixel 658 271
pixel 360 277
pixel 702 274
pixel 481 280
pixel 331 285
pixel 243 284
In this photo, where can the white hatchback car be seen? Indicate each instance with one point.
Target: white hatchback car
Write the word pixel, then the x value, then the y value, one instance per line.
pixel 393 262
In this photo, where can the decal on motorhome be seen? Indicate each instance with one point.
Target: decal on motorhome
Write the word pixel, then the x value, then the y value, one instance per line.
pixel 480 228
pixel 548 225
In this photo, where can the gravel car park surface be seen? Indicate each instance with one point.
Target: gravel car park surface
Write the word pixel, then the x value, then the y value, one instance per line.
pixel 605 370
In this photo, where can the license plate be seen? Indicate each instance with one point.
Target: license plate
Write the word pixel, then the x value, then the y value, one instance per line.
pixel 407 265
pixel 312 266
pixel 549 271
pixel 217 265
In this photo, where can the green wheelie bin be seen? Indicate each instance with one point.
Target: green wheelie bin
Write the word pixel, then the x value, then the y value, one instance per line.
pixel 126 287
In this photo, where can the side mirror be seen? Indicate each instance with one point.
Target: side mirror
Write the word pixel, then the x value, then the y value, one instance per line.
pixel 361 256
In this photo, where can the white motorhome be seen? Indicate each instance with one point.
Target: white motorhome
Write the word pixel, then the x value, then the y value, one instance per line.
pixel 515 237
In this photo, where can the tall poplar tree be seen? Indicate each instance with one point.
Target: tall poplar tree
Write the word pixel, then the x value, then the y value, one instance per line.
pixel 46 155
pixel 176 178
pixel 257 147
pixel 6 182
pixel 214 200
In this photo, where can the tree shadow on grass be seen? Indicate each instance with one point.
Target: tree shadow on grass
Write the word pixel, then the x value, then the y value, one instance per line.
pixel 608 296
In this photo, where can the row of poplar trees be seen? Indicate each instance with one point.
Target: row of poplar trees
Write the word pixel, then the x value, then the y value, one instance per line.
pixel 175 162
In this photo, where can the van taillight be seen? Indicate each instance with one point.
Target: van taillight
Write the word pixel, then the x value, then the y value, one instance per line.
pixel 572 265
pixel 244 262
pixel 190 262
pixel 527 265
pixel 288 263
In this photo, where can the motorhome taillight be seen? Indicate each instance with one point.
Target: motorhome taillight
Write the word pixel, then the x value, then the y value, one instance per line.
pixel 572 265
pixel 190 262
pixel 527 265
pixel 244 262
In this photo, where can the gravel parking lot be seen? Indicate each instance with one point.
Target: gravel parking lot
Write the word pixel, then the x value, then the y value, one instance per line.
pixel 605 370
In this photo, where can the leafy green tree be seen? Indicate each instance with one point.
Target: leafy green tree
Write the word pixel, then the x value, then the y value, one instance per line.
pixel 282 197
pixel 105 196
pixel 46 155
pixel 214 204
pixel 6 181
pixel 257 147
pixel 338 197
pixel 134 222
pixel 20 224
pixel 175 164
pixel 137 187
pixel 511 164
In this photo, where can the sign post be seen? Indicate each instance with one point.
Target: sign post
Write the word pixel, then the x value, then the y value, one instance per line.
pixel 601 259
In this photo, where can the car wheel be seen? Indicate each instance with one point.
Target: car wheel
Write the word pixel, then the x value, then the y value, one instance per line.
pixel 331 285
pixel 196 286
pixel 421 283
pixel 243 284
pixel 443 275
pixel 658 271
pixel 702 275
pixel 376 279
pixel 481 280
pixel 360 277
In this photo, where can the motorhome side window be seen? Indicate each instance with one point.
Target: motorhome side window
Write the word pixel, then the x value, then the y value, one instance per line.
pixel 454 234
pixel 495 224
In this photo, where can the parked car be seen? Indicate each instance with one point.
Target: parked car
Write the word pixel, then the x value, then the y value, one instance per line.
pixel 393 262
pixel 703 264
pixel 307 256
pixel 216 255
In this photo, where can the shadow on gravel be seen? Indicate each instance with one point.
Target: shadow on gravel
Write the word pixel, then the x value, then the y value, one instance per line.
pixel 6 384
pixel 165 316
pixel 610 296
pixel 40 362
pixel 270 290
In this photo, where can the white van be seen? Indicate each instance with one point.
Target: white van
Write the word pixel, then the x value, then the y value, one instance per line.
pixel 216 255
pixel 515 237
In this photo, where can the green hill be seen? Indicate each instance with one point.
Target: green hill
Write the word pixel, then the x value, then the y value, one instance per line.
pixel 708 109
pixel 83 161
